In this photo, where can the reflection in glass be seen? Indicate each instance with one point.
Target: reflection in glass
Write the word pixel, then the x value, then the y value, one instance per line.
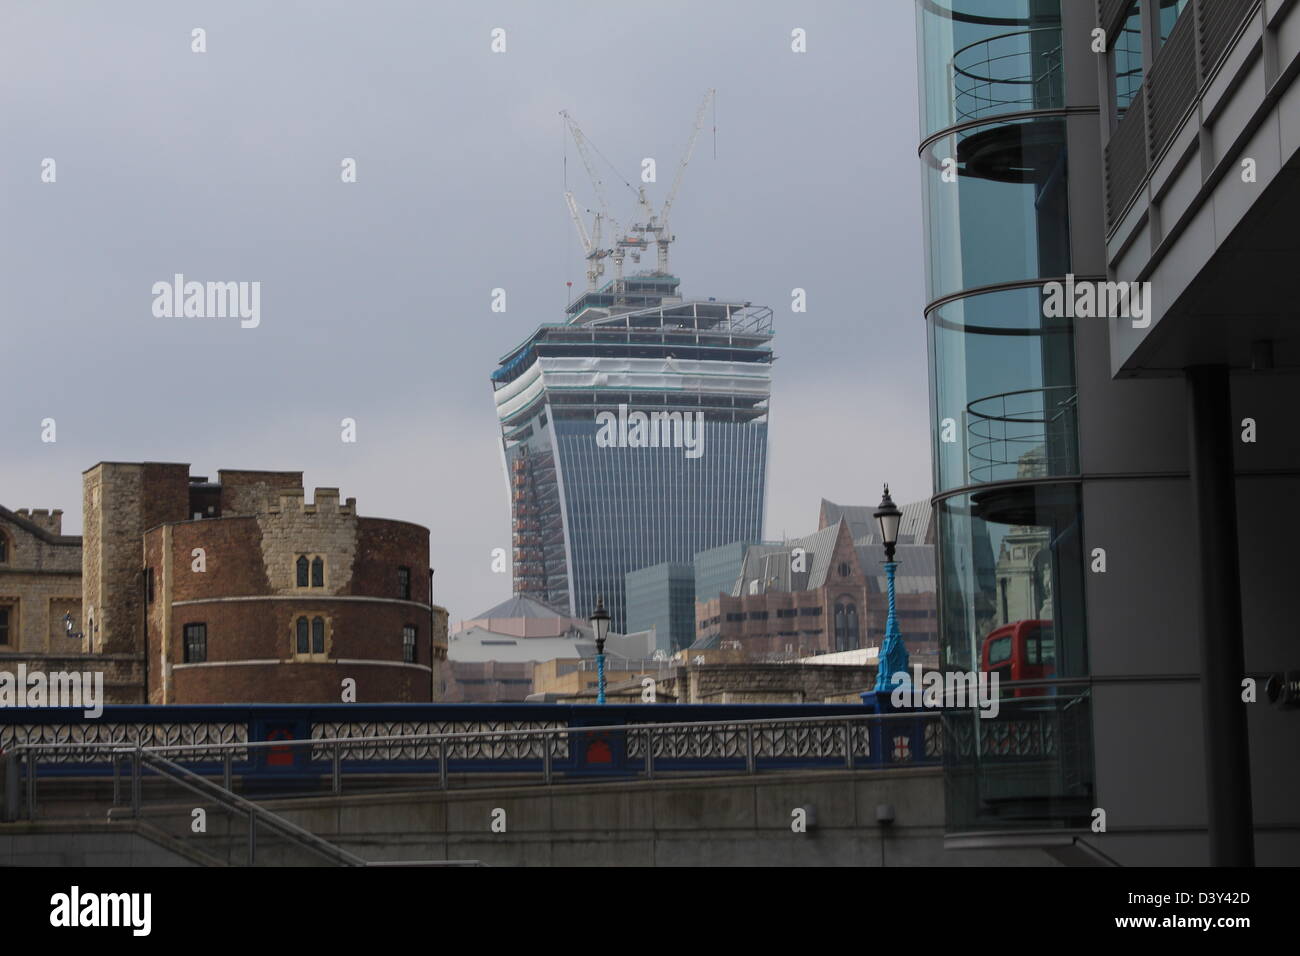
pixel 986 58
pixel 1170 11
pixel 1128 59
pixel 996 205
pixel 1012 557
pixel 1012 604
pixel 1002 375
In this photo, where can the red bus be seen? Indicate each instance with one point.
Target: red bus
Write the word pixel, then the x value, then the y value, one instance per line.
pixel 1021 650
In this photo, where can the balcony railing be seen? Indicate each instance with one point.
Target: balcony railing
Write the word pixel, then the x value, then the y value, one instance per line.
pixel 1008 73
pixel 1031 433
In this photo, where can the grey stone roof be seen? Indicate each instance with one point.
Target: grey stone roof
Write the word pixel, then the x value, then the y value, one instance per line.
pixel 771 564
pixel 519 606
pixel 913 529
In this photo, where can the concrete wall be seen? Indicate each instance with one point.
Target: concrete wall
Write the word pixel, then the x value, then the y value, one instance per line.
pixel 724 821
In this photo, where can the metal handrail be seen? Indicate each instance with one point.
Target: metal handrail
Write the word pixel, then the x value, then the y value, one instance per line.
pixel 203 787
pixel 1053 416
pixel 980 89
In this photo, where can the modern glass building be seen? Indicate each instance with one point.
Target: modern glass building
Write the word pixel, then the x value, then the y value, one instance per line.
pixel 1088 471
pixel 662 598
pixel 634 433
pixel 716 569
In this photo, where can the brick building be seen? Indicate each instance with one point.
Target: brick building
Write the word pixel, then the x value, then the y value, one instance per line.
pixel 239 591
pixel 820 594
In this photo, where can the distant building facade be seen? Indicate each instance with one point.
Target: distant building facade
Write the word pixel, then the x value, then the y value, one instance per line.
pixel 820 594
pixel 661 598
pixel 493 656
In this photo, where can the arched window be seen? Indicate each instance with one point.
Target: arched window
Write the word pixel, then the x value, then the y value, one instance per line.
pixel 303 645
pixel 318 635
pixel 853 628
pixel 317 573
pixel 840 625
pixel 302 571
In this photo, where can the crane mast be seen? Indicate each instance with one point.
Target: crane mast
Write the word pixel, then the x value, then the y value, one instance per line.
pixel 656 225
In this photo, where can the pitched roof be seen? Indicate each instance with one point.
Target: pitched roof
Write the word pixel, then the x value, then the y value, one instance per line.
pixel 771 564
pixel 916 567
pixel 914 528
pixel 519 606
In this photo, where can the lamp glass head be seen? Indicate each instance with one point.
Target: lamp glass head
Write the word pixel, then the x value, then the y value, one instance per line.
pixel 600 621
pixel 889 517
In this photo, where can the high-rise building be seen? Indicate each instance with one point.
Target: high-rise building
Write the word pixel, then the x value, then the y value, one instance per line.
pixel 661 598
pixel 1109 195
pixel 634 433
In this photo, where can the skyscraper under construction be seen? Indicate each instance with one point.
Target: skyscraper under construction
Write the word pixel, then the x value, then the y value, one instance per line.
pixel 633 433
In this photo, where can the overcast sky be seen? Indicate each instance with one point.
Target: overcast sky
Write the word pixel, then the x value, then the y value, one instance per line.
pixel 375 296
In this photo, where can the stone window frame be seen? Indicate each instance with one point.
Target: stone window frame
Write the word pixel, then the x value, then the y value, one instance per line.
pixel 328 638
pixel 13 632
pixel 314 560
pixel 6 547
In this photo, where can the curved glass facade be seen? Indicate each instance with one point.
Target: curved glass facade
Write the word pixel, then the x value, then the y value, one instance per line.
pixel 987 58
pixel 1004 406
pixel 996 205
pixel 1002 386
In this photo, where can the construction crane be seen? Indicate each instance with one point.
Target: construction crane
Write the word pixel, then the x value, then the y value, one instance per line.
pixel 590 243
pixel 636 240
pixel 595 253
pixel 656 224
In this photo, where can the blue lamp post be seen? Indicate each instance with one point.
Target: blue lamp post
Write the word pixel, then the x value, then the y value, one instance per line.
pixel 893 652
pixel 600 627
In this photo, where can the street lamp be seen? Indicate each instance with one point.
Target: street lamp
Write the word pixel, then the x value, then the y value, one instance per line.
pixel 893 653
pixel 600 626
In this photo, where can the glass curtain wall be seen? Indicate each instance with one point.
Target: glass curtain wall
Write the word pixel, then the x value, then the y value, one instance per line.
pixel 1004 404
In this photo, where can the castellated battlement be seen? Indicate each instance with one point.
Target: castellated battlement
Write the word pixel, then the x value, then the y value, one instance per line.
pixel 325 502
pixel 43 518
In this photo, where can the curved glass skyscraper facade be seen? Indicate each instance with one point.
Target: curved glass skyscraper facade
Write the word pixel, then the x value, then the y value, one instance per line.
pixel 995 171
pixel 634 434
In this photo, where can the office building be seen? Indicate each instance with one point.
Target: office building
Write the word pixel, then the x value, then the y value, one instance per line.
pixel 633 433
pixel 1115 463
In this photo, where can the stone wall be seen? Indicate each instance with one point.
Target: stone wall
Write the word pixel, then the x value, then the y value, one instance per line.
pixel 119 502
pixel 40 581
pixel 743 683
